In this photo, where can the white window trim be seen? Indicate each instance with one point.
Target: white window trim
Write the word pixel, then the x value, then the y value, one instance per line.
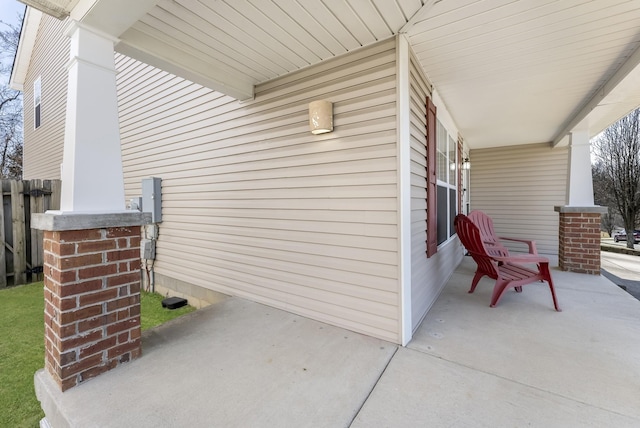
pixel 449 186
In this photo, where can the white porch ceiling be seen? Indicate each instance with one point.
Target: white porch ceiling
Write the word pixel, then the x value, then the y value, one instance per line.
pixel 509 71
pixel 243 43
pixel 520 71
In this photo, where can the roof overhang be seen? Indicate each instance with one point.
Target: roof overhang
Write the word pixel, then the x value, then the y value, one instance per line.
pixel 509 72
pixel 57 8
pixel 30 24
pixel 617 97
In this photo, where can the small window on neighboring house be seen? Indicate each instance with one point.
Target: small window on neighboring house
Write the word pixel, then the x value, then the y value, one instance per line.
pixel 37 98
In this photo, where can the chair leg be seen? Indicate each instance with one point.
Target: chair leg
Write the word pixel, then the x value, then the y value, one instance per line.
pixel 476 280
pixel 544 269
pixel 553 294
pixel 498 291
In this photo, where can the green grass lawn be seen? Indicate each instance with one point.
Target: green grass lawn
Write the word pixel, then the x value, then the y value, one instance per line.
pixel 22 348
pixel 152 313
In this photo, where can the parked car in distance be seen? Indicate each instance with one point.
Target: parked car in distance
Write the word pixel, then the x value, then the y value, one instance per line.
pixel 622 236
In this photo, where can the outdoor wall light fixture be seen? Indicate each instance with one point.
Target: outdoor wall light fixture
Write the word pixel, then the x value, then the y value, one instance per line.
pixel 465 164
pixel 321 116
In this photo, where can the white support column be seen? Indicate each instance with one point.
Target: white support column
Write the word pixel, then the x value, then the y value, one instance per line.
pixel 92 178
pixel 92 210
pixel 579 181
pixel 579 225
pixel 404 187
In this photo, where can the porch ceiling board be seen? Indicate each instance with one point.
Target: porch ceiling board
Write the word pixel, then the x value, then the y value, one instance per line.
pixel 518 71
pixel 266 39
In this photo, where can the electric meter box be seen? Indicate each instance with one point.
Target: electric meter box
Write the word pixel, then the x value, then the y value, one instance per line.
pixel 147 249
pixel 152 198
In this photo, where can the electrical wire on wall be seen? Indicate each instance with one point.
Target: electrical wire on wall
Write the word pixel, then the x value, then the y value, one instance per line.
pixel 150 202
pixel 150 235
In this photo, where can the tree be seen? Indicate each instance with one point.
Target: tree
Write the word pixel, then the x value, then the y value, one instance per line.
pixel 603 196
pixel 617 169
pixel 11 136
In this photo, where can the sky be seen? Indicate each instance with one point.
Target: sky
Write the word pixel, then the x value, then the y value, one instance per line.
pixel 9 9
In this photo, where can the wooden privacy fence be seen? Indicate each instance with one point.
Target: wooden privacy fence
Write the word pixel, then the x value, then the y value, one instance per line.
pixel 21 252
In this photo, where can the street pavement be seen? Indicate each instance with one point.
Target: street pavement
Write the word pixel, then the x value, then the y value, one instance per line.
pixel 622 269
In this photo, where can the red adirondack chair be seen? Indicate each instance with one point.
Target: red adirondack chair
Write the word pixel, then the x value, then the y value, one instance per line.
pixel 489 237
pixel 508 271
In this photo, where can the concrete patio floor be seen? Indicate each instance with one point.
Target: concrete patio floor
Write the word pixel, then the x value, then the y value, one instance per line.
pixel 242 364
pixel 520 364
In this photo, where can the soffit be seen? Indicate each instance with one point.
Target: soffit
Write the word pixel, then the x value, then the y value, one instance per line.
pixel 58 8
pixel 233 45
pixel 509 71
pixel 516 72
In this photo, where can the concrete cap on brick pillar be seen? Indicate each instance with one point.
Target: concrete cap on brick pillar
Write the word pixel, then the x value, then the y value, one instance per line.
pixel 596 209
pixel 54 221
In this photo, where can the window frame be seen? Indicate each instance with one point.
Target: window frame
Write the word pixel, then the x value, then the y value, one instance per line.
pixel 450 183
pixel 37 103
pixel 453 190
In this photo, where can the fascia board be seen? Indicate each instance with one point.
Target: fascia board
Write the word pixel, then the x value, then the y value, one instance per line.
pixel 30 25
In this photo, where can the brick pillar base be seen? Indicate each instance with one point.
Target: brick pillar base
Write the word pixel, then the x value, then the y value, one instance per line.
pixel 92 301
pixel 579 239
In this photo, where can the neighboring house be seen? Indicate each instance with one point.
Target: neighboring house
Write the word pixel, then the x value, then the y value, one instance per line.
pixel 335 227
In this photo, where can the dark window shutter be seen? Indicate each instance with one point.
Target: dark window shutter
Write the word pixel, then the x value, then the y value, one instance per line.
pixel 37 116
pixel 432 207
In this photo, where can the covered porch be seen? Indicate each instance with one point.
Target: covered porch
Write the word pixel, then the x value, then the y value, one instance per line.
pixel 286 212
pixel 239 363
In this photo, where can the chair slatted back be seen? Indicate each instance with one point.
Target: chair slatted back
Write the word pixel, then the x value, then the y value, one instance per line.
pixel 485 224
pixel 471 238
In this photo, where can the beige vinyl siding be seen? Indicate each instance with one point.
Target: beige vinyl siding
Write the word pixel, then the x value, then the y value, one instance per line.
pixel 518 187
pixel 428 275
pixel 254 205
pixel 44 146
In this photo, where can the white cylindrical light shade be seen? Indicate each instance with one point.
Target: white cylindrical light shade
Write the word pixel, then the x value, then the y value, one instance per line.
pixel 321 116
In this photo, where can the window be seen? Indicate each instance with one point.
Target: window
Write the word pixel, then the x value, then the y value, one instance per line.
pixel 443 180
pixel 37 96
pixel 447 177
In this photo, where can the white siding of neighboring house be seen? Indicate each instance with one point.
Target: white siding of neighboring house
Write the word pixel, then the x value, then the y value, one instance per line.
pixel 429 275
pixel 43 154
pixel 518 187
pixel 254 205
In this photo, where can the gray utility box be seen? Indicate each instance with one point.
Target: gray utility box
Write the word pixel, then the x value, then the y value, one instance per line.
pixel 152 198
pixel 147 249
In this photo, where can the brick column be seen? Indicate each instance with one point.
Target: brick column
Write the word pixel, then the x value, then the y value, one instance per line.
pixel 579 239
pixel 92 296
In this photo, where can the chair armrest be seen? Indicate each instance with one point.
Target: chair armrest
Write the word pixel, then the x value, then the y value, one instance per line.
pixel 496 249
pixel 524 258
pixel 530 242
